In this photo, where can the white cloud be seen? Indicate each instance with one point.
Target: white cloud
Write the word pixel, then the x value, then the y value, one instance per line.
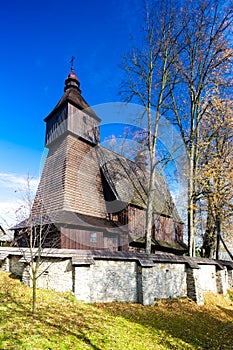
pixel 8 215
pixel 13 190
pixel 15 181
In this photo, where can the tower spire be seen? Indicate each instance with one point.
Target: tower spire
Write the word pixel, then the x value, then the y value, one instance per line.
pixel 72 63
pixel 72 79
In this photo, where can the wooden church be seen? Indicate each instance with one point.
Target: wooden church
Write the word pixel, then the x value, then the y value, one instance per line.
pixel 90 197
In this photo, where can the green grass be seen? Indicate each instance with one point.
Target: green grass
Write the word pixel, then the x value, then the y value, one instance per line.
pixel 61 322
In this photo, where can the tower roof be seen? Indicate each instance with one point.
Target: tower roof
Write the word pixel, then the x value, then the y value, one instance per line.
pixel 72 81
pixel 72 94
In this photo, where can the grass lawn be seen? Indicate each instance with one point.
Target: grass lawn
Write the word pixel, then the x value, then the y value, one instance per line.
pixel 61 322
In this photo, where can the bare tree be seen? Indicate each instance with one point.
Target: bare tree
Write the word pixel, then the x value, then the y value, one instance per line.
pixel 147 81
pixel 186 52
pixel 202 62
pixel 33 233
pixel 216 172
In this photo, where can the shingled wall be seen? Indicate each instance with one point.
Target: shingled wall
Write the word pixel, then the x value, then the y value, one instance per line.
pixel 97 276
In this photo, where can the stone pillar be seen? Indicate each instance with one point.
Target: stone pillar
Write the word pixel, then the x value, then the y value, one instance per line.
pixel 5 265
pixel 194 290
pixel 82 283
pixel 230 279
pixel 146 286
pixel 222 281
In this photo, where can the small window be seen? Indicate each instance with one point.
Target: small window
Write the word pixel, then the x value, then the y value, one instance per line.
pixel 175 233
pixel 158 226
pixel 123 217
pixel 133 211
pixel 85 119
pixel 93 237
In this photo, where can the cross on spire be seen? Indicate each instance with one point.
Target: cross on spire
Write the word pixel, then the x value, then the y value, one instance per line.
pixel 72 80
pixel 72 63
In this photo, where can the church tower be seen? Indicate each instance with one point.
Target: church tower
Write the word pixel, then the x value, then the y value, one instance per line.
pixel 72 115
pixel 71 180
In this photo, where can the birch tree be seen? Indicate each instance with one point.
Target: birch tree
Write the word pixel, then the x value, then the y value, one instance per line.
pixel 202 62
pixel 186 52
pixel 147 80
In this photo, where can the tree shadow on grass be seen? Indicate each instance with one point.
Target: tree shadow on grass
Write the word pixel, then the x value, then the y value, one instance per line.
pixel 193 325
pixel 16 311
pixel 226 311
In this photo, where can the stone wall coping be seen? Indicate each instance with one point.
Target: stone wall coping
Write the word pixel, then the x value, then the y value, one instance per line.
pixel 88 257
pixel 227 263
pixel 3 255
pixel 79 260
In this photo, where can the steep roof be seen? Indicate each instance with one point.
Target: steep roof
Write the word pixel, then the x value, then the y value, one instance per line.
pixel 96 183
pixel 129 183
pixel 5 235
pixel 86 180
pixel 70 219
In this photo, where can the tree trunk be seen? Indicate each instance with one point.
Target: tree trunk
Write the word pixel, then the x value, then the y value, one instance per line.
pixel 209 241
pixel 33 292
pixel 191 212
pixel 218 230
pixel 149 214
pixel 225 246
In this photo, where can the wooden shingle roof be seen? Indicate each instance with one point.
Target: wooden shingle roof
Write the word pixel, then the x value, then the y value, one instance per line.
pixel 73 95
pixel 70 219
pixel 72 181
pixel 129 183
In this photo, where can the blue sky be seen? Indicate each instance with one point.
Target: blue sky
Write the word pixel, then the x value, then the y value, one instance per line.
pixel 38 39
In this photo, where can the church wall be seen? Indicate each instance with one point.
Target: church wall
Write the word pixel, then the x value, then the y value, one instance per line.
pixel 81 124
pixel 56 125
pixel 167 229
pixel 70 180
pixel 81 239
pixel 179 231
pixel 137 222
pixel 91 240
pixel 164 227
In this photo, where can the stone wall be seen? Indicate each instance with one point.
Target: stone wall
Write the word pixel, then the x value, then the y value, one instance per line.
pixel 5 265
pixel 55 274
pixel 107 281
pixel 16 266
pixel 222 281
pixel 194 289
pixel 230 279
pixel 207 277
pixel 169 280
pixel 105 277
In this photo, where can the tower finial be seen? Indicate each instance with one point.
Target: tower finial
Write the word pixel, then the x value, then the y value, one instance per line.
pixel 72 63
pixel 72 79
